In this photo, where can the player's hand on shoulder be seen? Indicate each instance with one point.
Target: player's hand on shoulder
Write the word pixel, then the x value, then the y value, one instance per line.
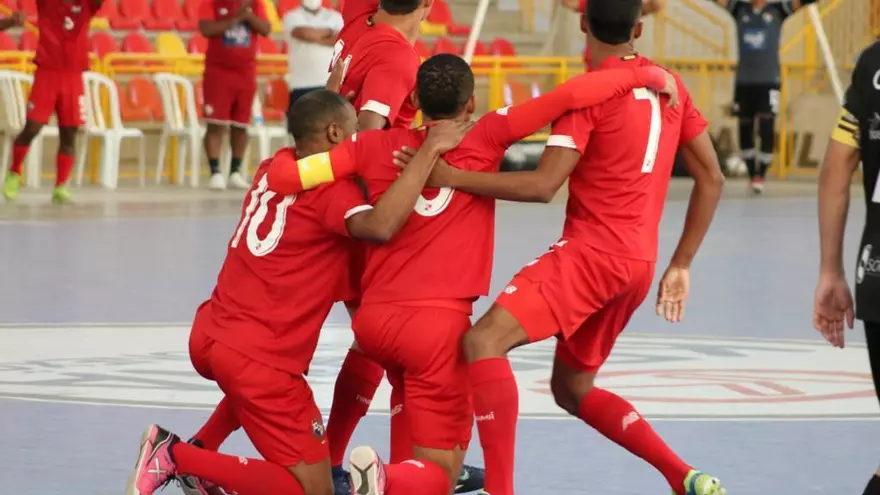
pixel 446 135
pixel 441 174
pixel 833 306
pixel 671 88
pixel 673 293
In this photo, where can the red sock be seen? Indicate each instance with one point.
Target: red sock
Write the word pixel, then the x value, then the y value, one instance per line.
pixel 401 437
pixel 617 419
pixel 422 477
pixel 19 153
pixel 64 164
pixel 220 425
pixel 235 474
pixel 356 385
pixel 496 406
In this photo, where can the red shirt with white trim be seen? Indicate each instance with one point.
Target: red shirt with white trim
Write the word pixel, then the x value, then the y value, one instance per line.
pixel 64 34
pixel 235 49
pixel 286 265
pixel 380 65
pixel 628 145
pixel 443 254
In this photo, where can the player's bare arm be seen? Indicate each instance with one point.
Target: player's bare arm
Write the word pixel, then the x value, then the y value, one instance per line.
pixel 213 27
pixel 258 24
pixel 16 20
pixel 833 304
pixel 701 162
pixel 382 222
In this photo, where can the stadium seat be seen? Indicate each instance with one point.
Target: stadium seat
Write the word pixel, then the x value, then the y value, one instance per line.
pixel 516 93
pixel 191 10
pixel 28 41
pixel 129 111
pixel 140 10
pixel 444 45
pixel 431 29
pixel 104 123
pixel 197 44
pixel 13 104
pixel 136 43
pixel 143 95
pixel 7 42
pixel 441 14
pixel 285 6
pixel 29 9
pixel 110 10
pixel 501 47
pixel 102 43
pixel 276 100
pixel 267 46
pixel 479 51
pixel 178 102
pixel 170 44
pixel 272 15
pixel 422 49
pixel 172 10
pixel 99 23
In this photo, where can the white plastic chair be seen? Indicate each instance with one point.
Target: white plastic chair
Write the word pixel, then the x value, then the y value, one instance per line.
pixel 14 100
pixel 181 121
pixel 264 134
pixel 106 124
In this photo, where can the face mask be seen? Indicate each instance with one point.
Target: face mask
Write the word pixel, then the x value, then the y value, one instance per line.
pixel 311 4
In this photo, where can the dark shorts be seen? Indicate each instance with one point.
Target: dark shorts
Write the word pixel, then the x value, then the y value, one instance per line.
pixel 750 100
pixel 872 339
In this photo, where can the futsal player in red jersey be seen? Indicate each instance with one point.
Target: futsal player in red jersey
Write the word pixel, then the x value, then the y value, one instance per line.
pixel 416 298
pixel 285 267
pixel 379 60
pixel 62 57
pixel 618 159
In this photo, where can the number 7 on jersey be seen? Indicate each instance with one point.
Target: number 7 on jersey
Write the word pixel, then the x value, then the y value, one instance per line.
pixel 654 129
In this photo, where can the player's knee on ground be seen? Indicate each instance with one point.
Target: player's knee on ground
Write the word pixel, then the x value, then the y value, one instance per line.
pixel 315 479
pixel 494 335
pixel 569 387
pixel 28 133
pixel 66 140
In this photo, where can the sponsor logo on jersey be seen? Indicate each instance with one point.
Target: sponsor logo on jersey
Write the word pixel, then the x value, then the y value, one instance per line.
pixel 868 265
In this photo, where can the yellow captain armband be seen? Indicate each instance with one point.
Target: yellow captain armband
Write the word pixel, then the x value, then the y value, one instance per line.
pixel 847 129
pixel 315 170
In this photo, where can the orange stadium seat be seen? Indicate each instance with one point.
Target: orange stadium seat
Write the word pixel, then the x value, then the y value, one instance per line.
pixel 143 94
pixel 479 51
pixel 102 43
pixel 29 9
pixel 444 45
pixel 285 6
pixel 501 47
pixel 28 41
pixel 136 43
pixel 10 4
pixel 140 10
pixel 191 10
pixel 197 44
pixel 422 49
pixel 127 108
pixel 110 11
pixel 172 10
pixel 276 100
pixel 516 93
pixel 442 14
pixel 267 46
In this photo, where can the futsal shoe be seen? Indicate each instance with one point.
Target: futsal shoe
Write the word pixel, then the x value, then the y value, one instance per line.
pixel 155 467
pixel 697 483
pixel 757 185
pixel 367 472
pixel 193 485
pixel 341 486
pixel 11 186
pixel 471 479
pixel 61 195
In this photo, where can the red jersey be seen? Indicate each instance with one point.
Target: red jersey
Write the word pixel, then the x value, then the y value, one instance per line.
pixel 380 64
pixel 618 189
pixel 444 250
pixel 64 34
pixel 286 265
pixel 235 49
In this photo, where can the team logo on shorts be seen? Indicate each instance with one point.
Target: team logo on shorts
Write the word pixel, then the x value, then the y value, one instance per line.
pixel 317 428
pixel 208 110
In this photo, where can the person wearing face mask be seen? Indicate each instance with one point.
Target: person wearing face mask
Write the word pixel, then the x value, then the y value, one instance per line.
pixel 310 31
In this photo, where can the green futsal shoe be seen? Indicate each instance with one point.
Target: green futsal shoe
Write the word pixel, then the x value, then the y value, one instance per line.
pixel 698 483
pixel 11 186
pixel 61 195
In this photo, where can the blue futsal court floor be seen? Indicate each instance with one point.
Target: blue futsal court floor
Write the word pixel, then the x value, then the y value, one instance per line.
pixel 95 302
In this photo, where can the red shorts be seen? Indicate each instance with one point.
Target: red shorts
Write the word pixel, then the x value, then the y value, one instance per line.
pixel 59 92
pixel 423 345
pixel 229 96
pixel 276 409
pixel 583 296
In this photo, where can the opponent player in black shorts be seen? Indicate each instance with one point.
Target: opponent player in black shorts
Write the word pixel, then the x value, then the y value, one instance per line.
pixel 855 138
